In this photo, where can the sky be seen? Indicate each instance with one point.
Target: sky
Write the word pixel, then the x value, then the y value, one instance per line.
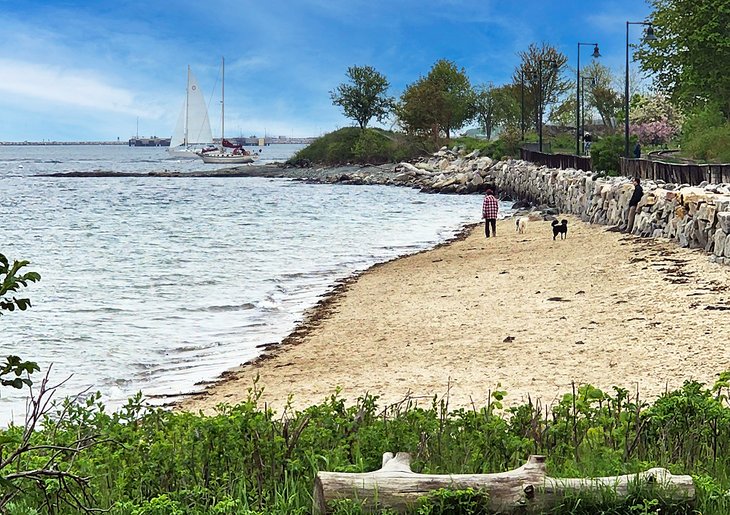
pixel 102 70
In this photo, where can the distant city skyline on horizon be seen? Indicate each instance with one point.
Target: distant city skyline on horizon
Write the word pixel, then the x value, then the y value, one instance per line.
pixel 76 71
pixel 274 140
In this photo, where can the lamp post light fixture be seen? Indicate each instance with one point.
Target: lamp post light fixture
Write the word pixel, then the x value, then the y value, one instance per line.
pixel 582 107
pixel 596 54
pixel 648 36
pixel 554 68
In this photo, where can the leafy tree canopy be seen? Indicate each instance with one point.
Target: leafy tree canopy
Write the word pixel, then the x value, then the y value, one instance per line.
pixel 496 107
pixel 540 71
pixel 654 119
pixel 439 103
pixel 602 95
pixel 365 97
pixel 690 58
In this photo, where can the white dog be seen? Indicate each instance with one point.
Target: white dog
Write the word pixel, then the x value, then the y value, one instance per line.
pixel 521 224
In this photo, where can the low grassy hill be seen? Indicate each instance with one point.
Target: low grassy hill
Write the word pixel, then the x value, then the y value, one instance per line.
pixel 353 145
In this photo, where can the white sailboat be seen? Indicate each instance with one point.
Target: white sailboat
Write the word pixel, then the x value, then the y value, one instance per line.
pixel 192 131
pixel 227 152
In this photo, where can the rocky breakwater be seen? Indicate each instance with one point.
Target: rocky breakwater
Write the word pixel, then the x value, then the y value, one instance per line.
pixel 446 171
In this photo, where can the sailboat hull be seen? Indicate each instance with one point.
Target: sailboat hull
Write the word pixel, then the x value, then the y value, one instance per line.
pixel 217 158
pixel 184 152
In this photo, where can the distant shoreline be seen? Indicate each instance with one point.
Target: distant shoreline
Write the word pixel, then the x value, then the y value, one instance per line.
pixel 296 141
pixel 58 143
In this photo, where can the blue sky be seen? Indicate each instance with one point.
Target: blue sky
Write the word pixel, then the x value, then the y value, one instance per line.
pixel 88 70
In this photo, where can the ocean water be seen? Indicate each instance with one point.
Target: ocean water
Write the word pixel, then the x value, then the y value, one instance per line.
pixel 154 284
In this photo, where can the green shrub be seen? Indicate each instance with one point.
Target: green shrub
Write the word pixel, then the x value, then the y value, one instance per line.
pixel 710 145
pixel 706 135
pixel 562 142
pixel 506 145
pixel 353 145
pixel 605 153
pixel 373 147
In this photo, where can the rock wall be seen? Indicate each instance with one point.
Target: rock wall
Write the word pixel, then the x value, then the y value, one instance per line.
pixel 695 217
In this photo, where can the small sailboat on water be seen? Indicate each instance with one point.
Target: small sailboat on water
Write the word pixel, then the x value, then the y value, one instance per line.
pixel 192 132
pixel 227 152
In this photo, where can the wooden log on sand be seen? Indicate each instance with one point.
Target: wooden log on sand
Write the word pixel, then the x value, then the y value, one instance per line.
pixel 525 489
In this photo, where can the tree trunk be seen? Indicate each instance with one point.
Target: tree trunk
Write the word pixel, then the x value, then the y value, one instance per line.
pixel 526 488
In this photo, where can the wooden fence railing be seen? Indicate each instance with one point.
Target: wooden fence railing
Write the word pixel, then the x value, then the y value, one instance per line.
pixel 676 173
pixel 556 160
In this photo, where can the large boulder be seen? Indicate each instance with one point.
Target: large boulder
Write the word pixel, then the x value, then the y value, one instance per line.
pixel 723 220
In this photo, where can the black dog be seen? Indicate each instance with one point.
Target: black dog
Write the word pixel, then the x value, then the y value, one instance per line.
pixel 560 228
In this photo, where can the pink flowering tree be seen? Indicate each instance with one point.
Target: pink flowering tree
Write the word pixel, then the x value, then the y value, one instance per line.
pixel 653 119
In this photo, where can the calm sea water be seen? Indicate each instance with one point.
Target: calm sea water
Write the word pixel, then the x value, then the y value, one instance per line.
pixel 153 284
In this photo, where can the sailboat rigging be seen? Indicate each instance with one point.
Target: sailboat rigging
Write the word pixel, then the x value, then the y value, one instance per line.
pixel 227 152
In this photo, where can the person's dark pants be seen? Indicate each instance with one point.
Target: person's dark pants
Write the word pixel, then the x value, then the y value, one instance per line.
pixel 631 218
pixel 493 223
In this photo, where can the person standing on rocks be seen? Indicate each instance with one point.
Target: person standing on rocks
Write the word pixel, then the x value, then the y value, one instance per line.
pixel 634 202
pixel 490 208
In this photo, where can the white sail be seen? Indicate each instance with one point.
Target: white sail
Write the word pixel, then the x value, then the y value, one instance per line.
pixel 193 125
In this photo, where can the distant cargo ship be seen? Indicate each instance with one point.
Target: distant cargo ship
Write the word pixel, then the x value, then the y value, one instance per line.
pixel 154 141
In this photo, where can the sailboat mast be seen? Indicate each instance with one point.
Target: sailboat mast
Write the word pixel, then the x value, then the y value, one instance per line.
pixel 187 109
pixel 223 98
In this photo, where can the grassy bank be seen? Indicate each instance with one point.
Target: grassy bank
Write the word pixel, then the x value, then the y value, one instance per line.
pixel 353 145
pixel 247 459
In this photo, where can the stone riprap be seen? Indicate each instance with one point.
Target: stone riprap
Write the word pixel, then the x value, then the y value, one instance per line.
pixel 695 217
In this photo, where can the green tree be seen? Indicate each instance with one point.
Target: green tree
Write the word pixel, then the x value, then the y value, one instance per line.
pixel 691 55
pixel 439 103
pixel 564 113
pixel 507 106
pixel 496 107
pixel 484 108
pixel 365 97
pixel 602 95
pixel 541 66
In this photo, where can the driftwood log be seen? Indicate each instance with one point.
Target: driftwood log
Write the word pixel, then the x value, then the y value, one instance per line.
pixel 525 489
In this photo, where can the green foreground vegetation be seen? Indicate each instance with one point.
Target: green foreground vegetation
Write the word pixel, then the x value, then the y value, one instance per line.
pixel 247 459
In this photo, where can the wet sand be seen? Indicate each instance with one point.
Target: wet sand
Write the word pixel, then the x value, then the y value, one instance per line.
pixel 520 312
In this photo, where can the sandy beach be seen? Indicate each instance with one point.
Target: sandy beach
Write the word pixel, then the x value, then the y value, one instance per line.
pixel 521 312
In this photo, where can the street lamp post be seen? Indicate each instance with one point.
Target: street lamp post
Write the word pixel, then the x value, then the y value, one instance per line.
pixel 539 88
pixel 582 106
pixel 596 54
pixel 522 109
pixel 649 36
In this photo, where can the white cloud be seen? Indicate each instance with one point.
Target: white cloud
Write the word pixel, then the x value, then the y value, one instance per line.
pixel 56 85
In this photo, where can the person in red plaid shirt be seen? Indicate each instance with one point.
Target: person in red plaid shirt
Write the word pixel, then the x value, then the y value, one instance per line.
pixel 490 208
